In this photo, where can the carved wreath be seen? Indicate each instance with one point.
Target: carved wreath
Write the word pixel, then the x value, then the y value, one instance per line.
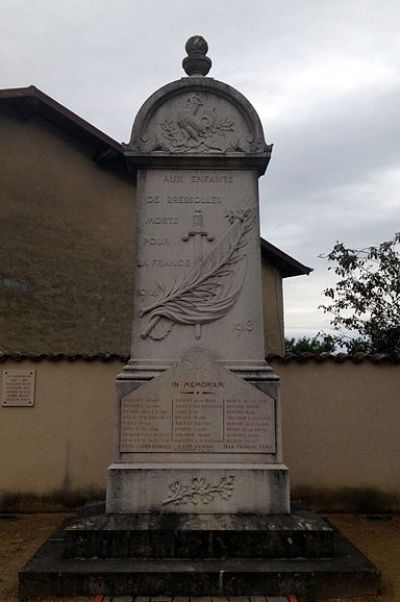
pixel 213 286
pixel 200 491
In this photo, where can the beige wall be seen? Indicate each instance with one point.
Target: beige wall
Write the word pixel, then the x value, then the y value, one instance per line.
pixel 340 430
pixel 64 442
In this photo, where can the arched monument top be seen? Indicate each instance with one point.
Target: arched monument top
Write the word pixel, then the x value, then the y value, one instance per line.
pixel 198 116
pixel 198 122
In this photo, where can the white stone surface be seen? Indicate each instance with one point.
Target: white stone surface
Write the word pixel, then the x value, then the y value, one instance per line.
pixel 197 115
pixel 195 122
pixel 188 488
pixel 198 266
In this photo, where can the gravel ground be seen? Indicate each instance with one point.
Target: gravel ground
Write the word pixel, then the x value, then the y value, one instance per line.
pixel 379 540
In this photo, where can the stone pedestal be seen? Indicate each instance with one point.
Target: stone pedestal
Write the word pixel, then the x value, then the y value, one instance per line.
pixel 178 488
pixel 299 535
pixel 198 555
pixel 198 438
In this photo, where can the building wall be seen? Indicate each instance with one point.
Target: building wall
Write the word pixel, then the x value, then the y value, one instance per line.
pixel 340 432
pixel 273 309
pixel 67 240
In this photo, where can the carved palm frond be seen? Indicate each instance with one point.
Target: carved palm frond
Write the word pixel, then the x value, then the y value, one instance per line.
pixel 211 289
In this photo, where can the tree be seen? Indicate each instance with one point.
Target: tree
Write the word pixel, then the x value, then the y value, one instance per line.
pixel 365 301
pixel 317 344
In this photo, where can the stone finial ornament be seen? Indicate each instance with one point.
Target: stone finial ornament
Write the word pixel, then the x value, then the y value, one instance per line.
pixel 196 64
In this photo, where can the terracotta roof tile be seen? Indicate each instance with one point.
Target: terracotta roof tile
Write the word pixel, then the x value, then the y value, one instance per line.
pixel 356 358
pixel 287 265
pixel 34 101
pixel 57 357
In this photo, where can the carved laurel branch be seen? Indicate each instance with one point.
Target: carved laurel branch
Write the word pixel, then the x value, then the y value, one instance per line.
pixel 200 491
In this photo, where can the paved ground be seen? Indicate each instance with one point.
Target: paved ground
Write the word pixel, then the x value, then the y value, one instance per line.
pixel 379 540
pixel 195 599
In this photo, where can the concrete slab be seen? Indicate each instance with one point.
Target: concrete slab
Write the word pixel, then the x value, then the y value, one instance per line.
pixel 197 599
pixel 49 573
pixel 301 534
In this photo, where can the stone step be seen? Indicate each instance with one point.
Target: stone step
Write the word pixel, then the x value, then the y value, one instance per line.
pixel 101 598
pixel 301 534
pixel 48 573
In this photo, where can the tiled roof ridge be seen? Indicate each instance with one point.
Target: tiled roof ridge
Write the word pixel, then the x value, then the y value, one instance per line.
pixel 34 101
pixel 289 357
pixel 340 357
pixel 288 266
pixel 57 357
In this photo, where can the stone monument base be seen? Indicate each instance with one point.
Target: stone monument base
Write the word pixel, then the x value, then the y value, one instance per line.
pixel 199 536
pixel 198 555
pixel 145 488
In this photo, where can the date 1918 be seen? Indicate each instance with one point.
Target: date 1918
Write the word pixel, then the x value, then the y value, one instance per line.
pixel 240 328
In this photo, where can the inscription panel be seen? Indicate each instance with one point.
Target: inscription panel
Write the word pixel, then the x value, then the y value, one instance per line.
pixel 197 264
pixel 18 388
pixel 198 407
pixel 246 422
pixel 146 424
pixel 197 422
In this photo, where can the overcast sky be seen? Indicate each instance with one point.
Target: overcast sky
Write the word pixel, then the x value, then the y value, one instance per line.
pixel 324 77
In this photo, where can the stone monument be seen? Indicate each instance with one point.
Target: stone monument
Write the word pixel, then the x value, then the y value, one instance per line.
pixel 197 497
pixel 198 407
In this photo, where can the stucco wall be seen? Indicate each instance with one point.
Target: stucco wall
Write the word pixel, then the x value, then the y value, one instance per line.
pixel 340 430
pixel 64 442
pixel 66 243
pixel 273 310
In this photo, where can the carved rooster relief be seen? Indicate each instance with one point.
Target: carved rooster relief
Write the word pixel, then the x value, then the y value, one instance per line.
pixel 191 123
pixel 197 129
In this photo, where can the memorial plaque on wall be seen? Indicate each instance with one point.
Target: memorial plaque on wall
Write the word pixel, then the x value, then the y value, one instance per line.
pixel 18 388
pixel 198 407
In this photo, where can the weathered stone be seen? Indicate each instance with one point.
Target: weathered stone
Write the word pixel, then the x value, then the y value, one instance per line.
pixel 198 407
pixel 301 534
pixel 185 488
pixel 48 573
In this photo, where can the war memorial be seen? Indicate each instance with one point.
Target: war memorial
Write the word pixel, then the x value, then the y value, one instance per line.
pixel 198 498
